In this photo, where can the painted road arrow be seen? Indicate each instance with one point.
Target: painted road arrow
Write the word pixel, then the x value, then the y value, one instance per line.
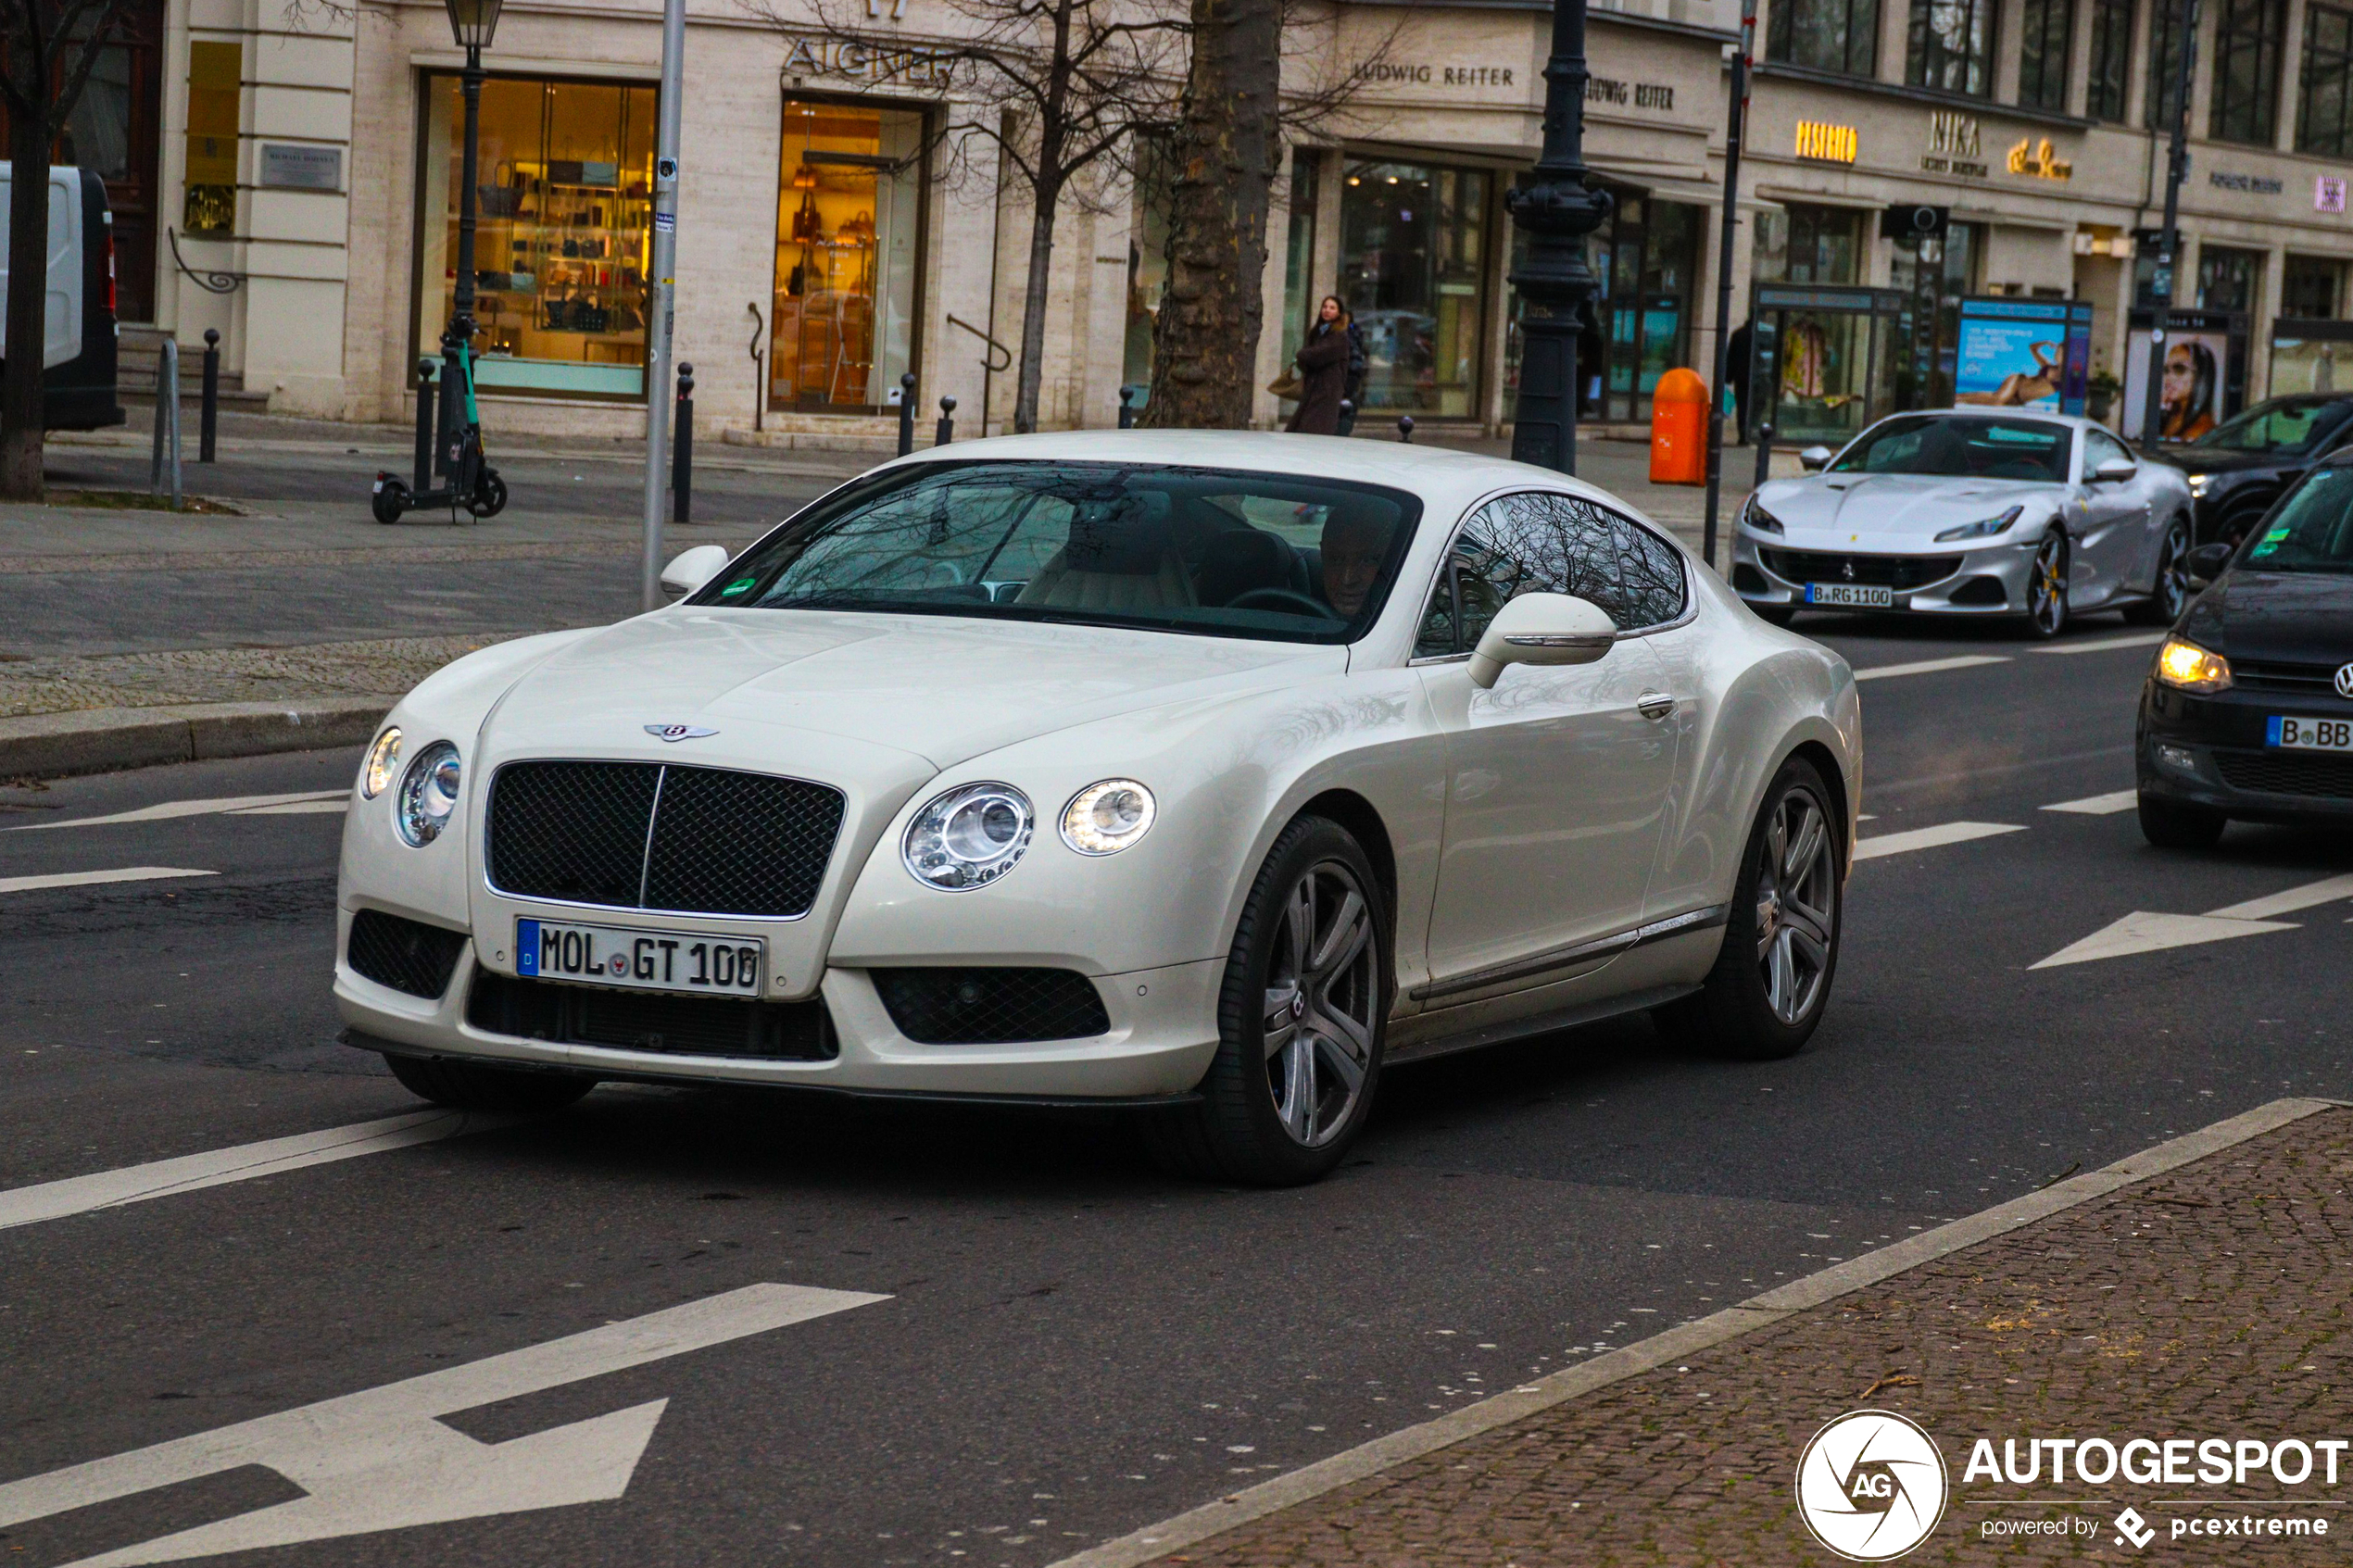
pixel 382 1460
pixel 2145 931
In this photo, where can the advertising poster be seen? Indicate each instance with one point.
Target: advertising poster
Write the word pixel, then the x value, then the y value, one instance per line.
pixel 2192 391
pixel 2023 354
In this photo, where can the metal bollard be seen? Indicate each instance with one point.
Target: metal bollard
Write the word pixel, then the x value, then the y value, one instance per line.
pixel 1764 455
pixel 166 421
pixel 906 413
pixel 946 430
pixel 1347 418
pixel 682 449
pixel 1405 427
pixel 1127 407
pixel 208 418
pixel 426 426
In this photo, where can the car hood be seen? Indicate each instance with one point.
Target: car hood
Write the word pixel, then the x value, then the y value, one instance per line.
pixel 2293 616
pixel 1892 509
pixel 2222 459
pixel 776 686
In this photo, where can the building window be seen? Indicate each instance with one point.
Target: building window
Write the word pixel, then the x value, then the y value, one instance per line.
pixel 849 208
pixel 1809 244
pixel 1413 273
pixel 2248 41
pixel 1951 45
pixel 2164 60
pixel 2111 73
pixel 1840 35
pixel 564 194
pixel 2312 288
pixel 2227 279
pixel 2042 58
pixel 2324 118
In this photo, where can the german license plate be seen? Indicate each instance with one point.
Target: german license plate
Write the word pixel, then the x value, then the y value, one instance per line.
pixel 1857 594
pixel 646 961
pixel 2310 734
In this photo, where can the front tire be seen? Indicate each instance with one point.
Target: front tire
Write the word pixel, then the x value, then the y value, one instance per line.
pixel 1302 1021
pixel 391 499
pixel 1772 982
pixel 2176 824
pixel 2047 606
pixel 2172 593
pixel 473 1086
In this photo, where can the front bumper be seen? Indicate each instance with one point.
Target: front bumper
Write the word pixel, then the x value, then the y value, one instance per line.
pixel 2211 751
pixel 1989 580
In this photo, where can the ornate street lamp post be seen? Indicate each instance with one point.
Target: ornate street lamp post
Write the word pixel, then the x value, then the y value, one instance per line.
pixel 472 23
pixel 1555 213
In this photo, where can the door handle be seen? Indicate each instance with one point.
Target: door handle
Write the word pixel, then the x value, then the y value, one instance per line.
pixel 1655 705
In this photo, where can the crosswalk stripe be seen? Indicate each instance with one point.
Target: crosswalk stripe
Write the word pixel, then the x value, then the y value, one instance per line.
pixel 1930 666
pixel 1929 838
pixel 338 806
pixel 2102 645
pixel 84 879
pixel 2099 804
pixel 170 808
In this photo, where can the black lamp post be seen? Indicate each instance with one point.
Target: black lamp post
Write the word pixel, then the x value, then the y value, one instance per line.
pixel 1555 213
pixel 472 23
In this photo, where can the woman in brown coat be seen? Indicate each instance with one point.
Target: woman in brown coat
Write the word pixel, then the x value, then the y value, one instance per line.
pixel 1323 371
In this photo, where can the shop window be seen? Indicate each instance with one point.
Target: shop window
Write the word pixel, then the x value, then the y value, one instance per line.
pixel 849 205
pixel 2048 26
pixel 2165 61
pixel 1809 244
pixel 1644 257
pixel 2227 280
pixel 1299 252
pixel 1840 35
pixel 2111 63
pixel 564 209
pixel 2324 113
pixel 2248 41
pixel 210 207
pixel 1951 45
pixel 1413 272
pixel 2312 288
pixel 1933 273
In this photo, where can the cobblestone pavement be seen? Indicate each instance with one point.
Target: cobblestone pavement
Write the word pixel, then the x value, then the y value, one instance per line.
pixel 2213 1301
pixel 386 667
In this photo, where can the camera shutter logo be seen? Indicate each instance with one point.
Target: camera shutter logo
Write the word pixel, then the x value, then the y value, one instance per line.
pixel 2344 682
pixel 1871 1486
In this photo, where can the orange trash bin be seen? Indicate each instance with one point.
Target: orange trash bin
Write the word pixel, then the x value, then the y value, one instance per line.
pixel 1679 430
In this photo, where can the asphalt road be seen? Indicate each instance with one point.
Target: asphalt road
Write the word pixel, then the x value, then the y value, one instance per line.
pixel 1070 1346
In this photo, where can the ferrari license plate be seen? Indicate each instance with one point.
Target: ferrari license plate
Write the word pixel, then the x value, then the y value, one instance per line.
pixel 1859 596
pixel 2310 734
pixel 646 961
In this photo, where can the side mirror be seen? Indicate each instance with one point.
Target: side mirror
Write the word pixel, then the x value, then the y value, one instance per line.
pixel 690 570
pixel 1541 629
pixel 2115 470
pixel 2210 561
pixel 1814 460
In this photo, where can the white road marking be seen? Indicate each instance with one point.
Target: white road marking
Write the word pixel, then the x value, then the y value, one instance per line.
pixel 2143 931
pixel 191 1173
pixel 2099 804
pixel 83 879
pixel 383 1460
pixel 1930 666
pixel 170 808
pixel 338 805
pixel 2102 645
pixel 1929 838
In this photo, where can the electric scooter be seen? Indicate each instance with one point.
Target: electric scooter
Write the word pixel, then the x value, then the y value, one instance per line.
pixel 473 483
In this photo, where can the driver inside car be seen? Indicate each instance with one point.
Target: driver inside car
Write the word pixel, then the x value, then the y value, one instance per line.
pixel 1354 546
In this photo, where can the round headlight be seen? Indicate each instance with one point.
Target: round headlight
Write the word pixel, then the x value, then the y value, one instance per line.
pixel 1105 818
pixel 968 837
pixel 375 774
pixel 428 794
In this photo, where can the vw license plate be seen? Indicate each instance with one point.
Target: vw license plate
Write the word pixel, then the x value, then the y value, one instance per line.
pixel 2310 734
pixel 1860 595
pixel 645 960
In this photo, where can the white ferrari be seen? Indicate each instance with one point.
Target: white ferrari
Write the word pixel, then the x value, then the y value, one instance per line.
pixel 1199 773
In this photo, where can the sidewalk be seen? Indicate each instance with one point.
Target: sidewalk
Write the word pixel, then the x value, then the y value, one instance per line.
pixel 2166 1297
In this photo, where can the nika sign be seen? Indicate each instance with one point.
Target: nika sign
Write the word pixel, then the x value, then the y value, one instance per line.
pixel 1955 145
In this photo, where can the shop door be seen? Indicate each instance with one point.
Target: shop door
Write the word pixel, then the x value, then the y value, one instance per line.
pixel 849 211
pixel 1932 273
pixel 113 130
pixel 1648 301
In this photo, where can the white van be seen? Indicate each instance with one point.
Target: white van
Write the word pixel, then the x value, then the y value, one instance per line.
pixel 78 357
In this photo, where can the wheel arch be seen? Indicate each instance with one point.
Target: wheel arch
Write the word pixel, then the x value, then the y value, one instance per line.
pixel 1825 762
pixel 1363 822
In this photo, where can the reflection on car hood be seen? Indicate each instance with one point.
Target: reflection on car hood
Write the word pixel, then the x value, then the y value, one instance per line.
pixel 940 687
pixel 2298 617
pixel 1892 511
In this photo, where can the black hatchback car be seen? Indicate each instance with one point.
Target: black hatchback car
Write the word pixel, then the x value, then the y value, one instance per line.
pixel 2241 466
pixel 2248 711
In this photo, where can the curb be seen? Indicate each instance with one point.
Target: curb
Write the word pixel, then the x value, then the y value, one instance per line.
pixel 1155 1541
pixel 101 740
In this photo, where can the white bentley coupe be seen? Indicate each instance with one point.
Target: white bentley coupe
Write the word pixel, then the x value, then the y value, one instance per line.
pixel 1202 775
pixel 1962 512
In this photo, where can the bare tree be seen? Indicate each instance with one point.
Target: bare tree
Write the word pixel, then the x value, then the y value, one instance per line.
pixel 1064 88
pixel 47 50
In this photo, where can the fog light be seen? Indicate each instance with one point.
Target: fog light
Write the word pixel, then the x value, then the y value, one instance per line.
pixel 2180 758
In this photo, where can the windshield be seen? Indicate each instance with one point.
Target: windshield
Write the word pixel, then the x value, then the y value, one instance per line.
pixel 2312 531
pixel 1238 555
pixel 2289 426
pixel 1961 448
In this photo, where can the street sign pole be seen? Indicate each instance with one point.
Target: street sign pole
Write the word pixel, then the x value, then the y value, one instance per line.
pixel 2169 249
pixel 661 292
pixel 1735 132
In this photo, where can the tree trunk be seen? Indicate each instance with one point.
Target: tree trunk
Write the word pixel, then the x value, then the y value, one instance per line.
pixel 21 415
pixel 1228 147
pixel 1033 307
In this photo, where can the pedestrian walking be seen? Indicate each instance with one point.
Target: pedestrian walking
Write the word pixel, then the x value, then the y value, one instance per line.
pixel 1323 369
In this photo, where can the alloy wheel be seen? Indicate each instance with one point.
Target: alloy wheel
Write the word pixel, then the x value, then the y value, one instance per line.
pixel 1322 986
pixel 2046 586
pixel 2173 574
pixel 1796 893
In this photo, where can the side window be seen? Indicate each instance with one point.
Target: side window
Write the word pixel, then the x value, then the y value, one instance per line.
pixel 1436 638
pixel 1652 573
pixel 2098 448
pixel 1534 542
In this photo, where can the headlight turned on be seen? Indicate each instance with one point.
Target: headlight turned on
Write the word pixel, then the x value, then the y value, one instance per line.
pixel 428 794
pixel 2188 667
pixel 968 837
pixel 1105 818
pixel 1984 529
pixel 375 774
